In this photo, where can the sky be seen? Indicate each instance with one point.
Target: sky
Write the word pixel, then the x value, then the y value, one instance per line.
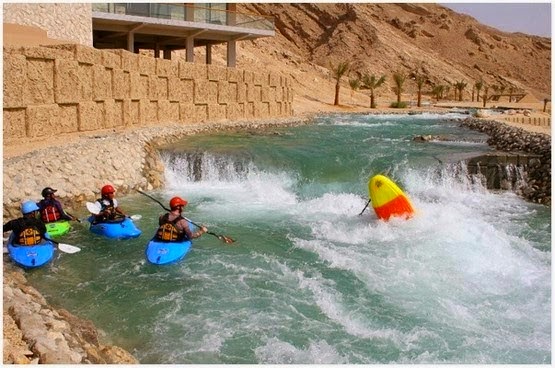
pixel 531 18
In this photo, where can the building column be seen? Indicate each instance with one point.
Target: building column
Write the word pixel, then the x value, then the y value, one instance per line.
pixel 167 54
pixel 209 54
pixel 231 53
pixel 131 42
pixel 156 50
pixel 190 54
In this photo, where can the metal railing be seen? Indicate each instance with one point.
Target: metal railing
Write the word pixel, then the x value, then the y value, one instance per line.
pixel 207 15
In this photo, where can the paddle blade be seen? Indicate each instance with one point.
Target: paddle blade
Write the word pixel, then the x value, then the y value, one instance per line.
pixel 226 239
pixel 93 208
pixel 68 248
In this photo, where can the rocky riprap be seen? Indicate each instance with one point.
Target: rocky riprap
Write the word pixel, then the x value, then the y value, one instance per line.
pixel 35 332
pixel 537 187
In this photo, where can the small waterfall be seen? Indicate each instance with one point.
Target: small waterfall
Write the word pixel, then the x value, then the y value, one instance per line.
pixel 501 171
pixel 457 173
pixel 205 166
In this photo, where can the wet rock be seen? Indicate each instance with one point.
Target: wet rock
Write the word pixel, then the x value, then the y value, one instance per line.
pixel 35 332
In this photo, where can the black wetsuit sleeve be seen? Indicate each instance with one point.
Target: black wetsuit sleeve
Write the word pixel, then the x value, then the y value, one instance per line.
pixel 8 226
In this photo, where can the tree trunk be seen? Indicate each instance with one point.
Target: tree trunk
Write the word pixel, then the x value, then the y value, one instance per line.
pixel 372 102
pixel 418 103
pixel 336 101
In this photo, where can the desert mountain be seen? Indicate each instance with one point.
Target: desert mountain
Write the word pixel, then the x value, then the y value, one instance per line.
pixel 382 38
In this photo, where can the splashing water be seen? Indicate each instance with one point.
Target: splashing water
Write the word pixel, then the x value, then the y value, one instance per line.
pixel 467 280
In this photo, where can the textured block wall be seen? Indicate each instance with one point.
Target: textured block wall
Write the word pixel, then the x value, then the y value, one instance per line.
pixel 74 88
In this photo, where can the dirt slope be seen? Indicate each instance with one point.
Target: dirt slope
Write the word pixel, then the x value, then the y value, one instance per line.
pixel 379 39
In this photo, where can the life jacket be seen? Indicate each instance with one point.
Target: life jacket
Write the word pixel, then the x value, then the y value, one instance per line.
pixel 107 207
pixel 168 231
pixel 30 235
pixel 50 213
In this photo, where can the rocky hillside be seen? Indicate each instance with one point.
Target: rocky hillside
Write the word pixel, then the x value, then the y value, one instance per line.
pixel 380 39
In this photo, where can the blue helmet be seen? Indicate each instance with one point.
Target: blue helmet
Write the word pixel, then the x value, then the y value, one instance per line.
pixel 28 207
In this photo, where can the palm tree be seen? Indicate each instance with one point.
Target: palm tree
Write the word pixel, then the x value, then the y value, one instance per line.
pixel 399 79
pixel 485 97
pixel 338 71
pixel 420 80
pixel 371 82
pixel 479 85
pixel 355 85
pixel 460 86
pixel 437 91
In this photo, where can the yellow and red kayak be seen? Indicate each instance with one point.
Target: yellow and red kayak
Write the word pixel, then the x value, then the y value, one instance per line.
pixel 388 199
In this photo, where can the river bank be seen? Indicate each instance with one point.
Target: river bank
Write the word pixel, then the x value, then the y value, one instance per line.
pixel 21 301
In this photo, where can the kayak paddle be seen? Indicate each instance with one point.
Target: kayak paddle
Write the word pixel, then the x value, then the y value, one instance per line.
pixel 94 208
pixel 66 248
pixel 74 218
pixel 367 203
pixel 225 239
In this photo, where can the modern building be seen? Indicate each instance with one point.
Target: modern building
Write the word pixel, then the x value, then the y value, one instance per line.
pixel 167 27
pixel 160 27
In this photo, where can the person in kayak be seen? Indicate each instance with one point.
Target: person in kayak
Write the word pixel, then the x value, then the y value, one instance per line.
pixel 51 209
pixel 109 209
pixel 174 227
pixel 29 229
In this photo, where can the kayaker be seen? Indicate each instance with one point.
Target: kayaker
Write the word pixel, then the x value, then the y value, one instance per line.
pixel 29 229
pixel 109 209
pixel 174 227
pixel 51 209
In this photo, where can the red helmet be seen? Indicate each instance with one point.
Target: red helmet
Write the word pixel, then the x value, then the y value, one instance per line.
pixel 177 201
pixel 107 189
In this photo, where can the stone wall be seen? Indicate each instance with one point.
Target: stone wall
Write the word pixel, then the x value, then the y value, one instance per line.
pixel 71 88
pixel 63 21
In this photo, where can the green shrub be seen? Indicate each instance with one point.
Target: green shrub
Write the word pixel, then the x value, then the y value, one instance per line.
pixel 398 105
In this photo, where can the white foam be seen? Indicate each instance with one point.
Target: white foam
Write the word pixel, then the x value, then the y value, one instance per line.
pixel 276 351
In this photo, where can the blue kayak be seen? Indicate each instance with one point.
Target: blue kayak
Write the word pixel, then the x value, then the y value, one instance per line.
pixel 161 252
pixel 31 256
pixel 118 229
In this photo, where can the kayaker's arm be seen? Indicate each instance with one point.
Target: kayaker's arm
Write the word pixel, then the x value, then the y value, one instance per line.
pixel 119 210
pixel 190 234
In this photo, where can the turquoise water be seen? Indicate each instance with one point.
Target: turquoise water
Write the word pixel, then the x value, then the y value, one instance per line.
pixel 467 280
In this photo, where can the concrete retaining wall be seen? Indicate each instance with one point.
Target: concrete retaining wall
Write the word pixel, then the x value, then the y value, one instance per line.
pixel 73 88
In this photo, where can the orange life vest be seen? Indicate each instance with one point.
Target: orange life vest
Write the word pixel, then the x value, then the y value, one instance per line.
pixel 168 231
pixel 50 214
